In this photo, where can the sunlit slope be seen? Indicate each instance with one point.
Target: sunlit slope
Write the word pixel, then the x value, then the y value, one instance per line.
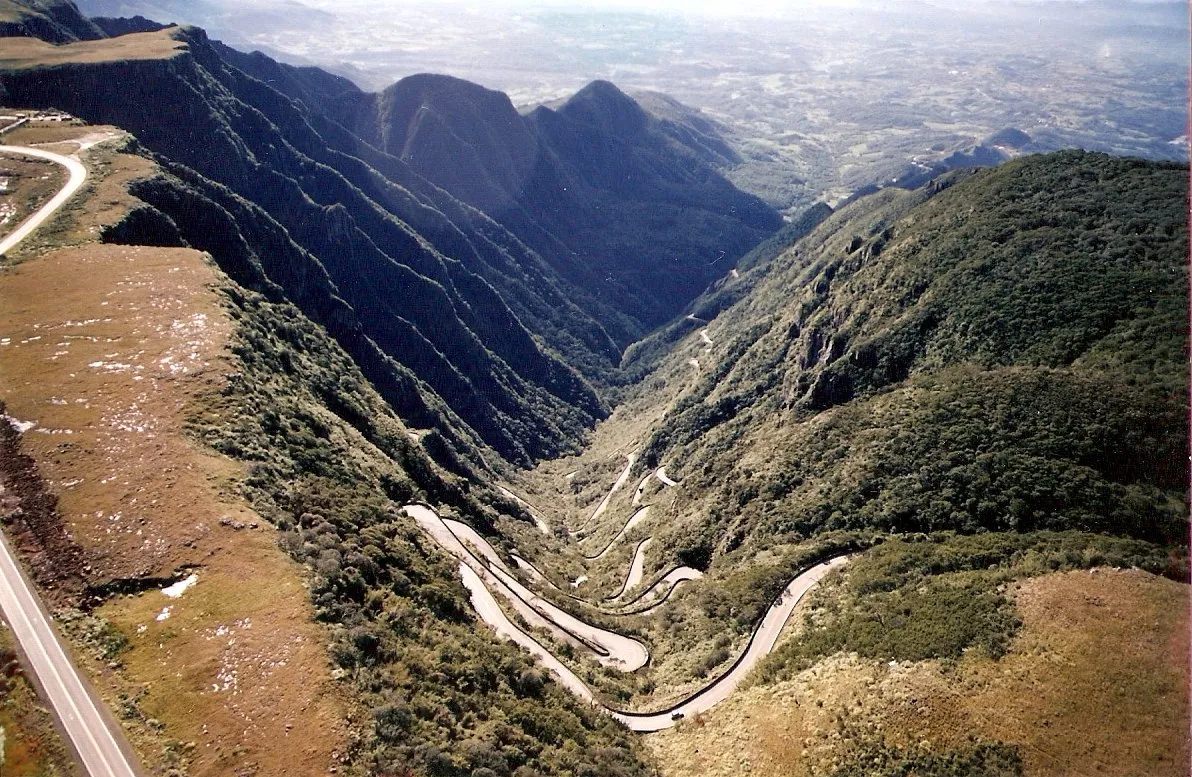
pixel 1004 354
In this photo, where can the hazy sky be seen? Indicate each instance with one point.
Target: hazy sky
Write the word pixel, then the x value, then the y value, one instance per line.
pixel 705 7
pixel 764 8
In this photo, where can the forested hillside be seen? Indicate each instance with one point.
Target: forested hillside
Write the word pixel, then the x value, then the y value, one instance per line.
pixel 1001 351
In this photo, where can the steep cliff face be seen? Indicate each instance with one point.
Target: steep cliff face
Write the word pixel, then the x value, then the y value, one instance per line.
pixel 426 310
pixel 615 199
pixel 505 261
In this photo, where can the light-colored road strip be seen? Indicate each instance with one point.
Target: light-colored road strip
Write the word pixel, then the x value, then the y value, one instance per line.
pixel 640 515
pixel 618 651
pixel 612 649
pixel 79 713
pixel 542 525
pixel 78 175
pixel 641 490
pixel 760 644
pixel 657 595
pixel 637 569
pixel 600 508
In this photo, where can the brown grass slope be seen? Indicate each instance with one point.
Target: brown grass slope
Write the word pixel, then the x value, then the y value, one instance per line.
pixel 106 349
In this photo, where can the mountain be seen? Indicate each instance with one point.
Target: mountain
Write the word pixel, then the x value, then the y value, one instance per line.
pixel 57 21
pixel 496 319
pixel 284 314
pixel 974 388
pixel 580 184
pixel 999 351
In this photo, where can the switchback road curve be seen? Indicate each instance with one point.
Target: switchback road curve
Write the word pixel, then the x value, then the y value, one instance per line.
pixel 761 643
pixel 78 175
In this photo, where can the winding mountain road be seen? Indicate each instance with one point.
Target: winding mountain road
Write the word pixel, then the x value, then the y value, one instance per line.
pixel 452 537
pixel 630 459
pixel 637 570
pixel 102 751
pixel 638 516
pixel 656 595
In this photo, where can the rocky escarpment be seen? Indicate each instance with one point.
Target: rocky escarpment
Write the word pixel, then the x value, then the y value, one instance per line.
pixel 509 316
pixel 614 197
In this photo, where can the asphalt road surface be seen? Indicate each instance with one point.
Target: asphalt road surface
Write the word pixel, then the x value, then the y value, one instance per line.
pixel 79 713
pixel 447 533
pixel 78 174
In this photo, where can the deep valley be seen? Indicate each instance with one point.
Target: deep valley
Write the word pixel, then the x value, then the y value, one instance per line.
pixel 407 432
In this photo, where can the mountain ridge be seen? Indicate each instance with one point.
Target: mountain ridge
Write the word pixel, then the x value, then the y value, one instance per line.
pixel 973 389
pixel 354 221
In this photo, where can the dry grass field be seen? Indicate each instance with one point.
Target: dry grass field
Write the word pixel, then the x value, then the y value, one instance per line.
pixel 1095 683
pixel 24 53
pixel 106 350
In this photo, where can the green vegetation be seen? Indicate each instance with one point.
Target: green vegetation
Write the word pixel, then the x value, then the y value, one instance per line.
pixel 644 356
pixel 329 464
pixel 1003 352
pixel 941 595
pixel 999 355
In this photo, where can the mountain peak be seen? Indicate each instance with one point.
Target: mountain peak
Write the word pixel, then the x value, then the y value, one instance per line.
pixel 54 21
pixel 603 105
pixel 434 89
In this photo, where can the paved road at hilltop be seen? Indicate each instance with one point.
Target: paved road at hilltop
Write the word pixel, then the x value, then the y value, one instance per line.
pixel 95 740
pixel 78 174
